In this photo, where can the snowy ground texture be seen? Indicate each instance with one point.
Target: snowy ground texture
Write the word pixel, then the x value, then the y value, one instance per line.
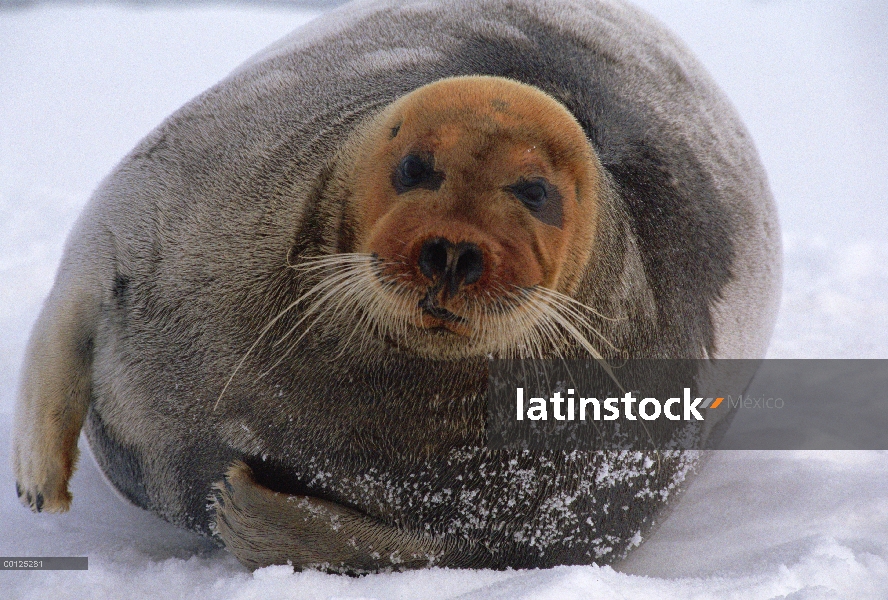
pixel 82 84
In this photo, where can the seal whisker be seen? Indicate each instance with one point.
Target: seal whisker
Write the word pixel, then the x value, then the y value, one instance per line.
pixel 253 347
pixel 313 263
pixel 550 327
pixel 567 299
pixel 345 288
pixel 357 292
pixel 576 334
pixel 584 342
pixel 335 279
pixel 366 299
pixel 338 281
pixel 258 340
pixel 557 303
pixel 529 343
pixel 544 324
pixel 411 313
pixel 370 318
pixel 499 323
pixel 504 327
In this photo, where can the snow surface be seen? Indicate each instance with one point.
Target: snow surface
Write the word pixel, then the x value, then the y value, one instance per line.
pixel 79 86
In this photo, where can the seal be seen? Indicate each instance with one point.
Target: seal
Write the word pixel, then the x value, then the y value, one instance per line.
pixel 285 297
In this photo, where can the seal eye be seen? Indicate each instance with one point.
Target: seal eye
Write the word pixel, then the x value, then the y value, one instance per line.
pixel 412 171
pixel 533 194
pixel 541 197
pixel 415 171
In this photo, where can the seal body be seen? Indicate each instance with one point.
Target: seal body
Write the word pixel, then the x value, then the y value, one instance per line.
pixel 188 334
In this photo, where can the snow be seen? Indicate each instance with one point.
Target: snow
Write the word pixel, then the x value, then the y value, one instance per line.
pixel 82 84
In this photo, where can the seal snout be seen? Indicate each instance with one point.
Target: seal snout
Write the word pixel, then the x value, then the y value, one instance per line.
pixel 450 266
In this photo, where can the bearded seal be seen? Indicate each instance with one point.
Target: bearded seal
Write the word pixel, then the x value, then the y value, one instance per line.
pixel 284 298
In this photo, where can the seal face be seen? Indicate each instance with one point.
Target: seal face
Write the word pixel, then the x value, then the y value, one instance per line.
pixel 477 198
pixel 284 298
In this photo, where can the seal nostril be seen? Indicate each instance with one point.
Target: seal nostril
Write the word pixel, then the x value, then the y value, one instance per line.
pixel 469 263
pixel 433 257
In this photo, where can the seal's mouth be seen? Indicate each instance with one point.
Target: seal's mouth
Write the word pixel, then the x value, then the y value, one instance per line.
pixel 429 305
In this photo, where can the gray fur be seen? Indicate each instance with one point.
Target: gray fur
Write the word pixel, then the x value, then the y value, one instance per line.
pixel 181 259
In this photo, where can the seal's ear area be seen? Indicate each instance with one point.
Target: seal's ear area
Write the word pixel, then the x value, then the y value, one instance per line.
pixel 53 399
pixel 262 527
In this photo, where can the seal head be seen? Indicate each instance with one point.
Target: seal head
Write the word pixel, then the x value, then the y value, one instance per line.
pixel 472 194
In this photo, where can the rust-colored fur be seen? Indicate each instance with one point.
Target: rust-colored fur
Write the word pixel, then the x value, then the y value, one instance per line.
pixel 485 133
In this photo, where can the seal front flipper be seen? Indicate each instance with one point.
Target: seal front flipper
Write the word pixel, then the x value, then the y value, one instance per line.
pixel 262 527
pixel 56 378
pixel 55 388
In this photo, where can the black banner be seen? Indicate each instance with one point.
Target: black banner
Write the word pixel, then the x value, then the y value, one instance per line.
pixel 688 404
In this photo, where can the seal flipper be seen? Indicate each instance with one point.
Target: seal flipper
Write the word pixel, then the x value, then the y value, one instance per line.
pixel 262 527
pixel 54 395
